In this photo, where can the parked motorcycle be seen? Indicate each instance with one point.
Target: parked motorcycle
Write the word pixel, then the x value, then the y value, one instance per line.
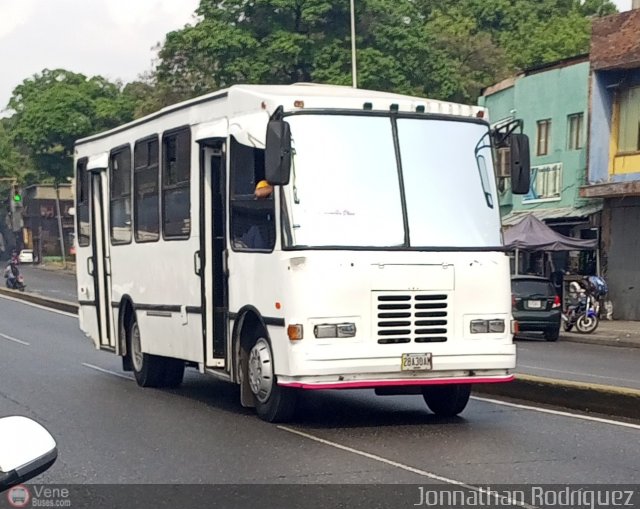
pixel 585 314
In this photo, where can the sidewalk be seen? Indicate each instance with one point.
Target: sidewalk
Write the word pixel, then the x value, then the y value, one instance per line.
pixel 608 333
pixel 58 267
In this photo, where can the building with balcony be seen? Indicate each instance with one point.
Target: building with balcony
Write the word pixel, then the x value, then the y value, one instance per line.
pixel 614 153
pixel 41 229
pixel 552 101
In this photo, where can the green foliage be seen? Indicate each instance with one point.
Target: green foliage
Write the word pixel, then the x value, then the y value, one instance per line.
pixel 13 162
pixel 445 49
pixel 55 108
pixel 448 49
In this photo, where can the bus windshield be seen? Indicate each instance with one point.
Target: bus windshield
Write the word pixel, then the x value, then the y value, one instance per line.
pixel 345 187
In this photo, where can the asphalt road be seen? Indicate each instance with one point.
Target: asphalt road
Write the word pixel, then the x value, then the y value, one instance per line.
pixel 605 365
pixel 50 283
pixel 111 431
pixel 563 360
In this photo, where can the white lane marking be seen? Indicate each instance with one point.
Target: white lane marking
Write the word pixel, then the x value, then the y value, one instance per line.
pixel 63 313
pixel 430 475
pixel 19 341
pixel 576 373
pixel 107 371
pixel 559 412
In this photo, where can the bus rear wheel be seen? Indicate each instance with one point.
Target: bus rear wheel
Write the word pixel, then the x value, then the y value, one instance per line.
pixel 447 400
pixel 152 370
pixel 273 402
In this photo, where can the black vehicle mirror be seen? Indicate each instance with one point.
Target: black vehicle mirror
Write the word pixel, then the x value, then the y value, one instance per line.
pixel 520 163
pixel 278 153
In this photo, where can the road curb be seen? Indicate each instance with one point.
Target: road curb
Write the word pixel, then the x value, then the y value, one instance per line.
pixel 599 340
pixel 587 397
pixel 34 298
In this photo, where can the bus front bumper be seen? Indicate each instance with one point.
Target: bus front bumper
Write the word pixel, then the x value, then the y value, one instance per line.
pixel 372 381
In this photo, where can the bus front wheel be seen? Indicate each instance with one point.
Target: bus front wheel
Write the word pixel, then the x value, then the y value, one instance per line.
pixel 447 400
pixel 152 370
pixel 273 402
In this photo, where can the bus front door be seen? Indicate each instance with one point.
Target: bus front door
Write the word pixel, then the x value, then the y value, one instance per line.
pixel 99 264
pixel 213 246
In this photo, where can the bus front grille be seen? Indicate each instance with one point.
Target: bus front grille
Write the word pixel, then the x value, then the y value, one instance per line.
pixel 410 317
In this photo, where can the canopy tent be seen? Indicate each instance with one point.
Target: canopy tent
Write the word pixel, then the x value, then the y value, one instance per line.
pixel 531 234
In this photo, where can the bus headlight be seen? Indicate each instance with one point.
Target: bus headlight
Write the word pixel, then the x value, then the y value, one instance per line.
pixel 496 326
pixel 479 326
pixel 335 330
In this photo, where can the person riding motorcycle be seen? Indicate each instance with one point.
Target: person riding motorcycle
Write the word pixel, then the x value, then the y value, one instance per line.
pixel 11 273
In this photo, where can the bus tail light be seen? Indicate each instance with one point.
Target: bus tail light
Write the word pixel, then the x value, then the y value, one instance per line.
pixel 295 333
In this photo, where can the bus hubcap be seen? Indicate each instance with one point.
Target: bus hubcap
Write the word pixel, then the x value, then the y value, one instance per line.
pixel 261 370
pixel 136 349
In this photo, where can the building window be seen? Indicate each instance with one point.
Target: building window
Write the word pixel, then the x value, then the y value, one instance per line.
pixel 544 131
pixel 575 128
pixel 146 198
pixel 546 183
pixel 176 184
pixel 83 203
pixel 629 127
pixel 120 210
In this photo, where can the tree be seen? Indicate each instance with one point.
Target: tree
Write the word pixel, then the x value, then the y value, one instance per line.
pixel 13 163
pixel 55 108
pixel 448 49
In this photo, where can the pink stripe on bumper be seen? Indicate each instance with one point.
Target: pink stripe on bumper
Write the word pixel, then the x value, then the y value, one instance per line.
pixel 370 384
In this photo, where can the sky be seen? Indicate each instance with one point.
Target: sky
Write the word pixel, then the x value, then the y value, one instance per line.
pixel 112 38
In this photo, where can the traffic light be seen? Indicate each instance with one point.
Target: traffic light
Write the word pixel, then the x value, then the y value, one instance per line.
pixel 15 197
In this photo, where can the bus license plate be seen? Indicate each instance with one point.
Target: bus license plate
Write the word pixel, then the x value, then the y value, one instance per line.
pixel 416 361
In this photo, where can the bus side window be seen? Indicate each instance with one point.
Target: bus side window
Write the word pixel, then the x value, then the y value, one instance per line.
pixel 82 210
pixel 252 221
pixel 146 199
pixel 120 208
pixel 176 184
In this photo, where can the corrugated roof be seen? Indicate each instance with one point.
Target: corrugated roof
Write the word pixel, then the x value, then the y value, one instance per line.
pixel 552 213
pixel 48 192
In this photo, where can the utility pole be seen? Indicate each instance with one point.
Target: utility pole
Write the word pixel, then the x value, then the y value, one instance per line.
pixel 60 231
pixel 354 69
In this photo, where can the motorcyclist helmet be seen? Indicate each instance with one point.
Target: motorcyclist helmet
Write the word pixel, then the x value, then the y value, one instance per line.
pixel 575 287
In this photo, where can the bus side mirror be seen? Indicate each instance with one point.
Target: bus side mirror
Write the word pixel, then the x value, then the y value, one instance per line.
pixel 277 164
pixel 520 163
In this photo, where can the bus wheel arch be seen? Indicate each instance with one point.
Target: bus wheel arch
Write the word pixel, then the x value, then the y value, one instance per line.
pixel 149 370
pixel 248 326
pixel 256 366
pixel 126 313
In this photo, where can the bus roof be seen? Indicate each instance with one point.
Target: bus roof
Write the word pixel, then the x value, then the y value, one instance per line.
pixel 246 98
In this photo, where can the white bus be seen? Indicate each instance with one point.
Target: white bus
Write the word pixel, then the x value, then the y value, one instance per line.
pixel 376 261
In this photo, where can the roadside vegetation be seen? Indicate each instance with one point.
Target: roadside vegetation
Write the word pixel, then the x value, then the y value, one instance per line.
pixel 446 50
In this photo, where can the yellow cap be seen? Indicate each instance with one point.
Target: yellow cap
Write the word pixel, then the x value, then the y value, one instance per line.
pixel 262 184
